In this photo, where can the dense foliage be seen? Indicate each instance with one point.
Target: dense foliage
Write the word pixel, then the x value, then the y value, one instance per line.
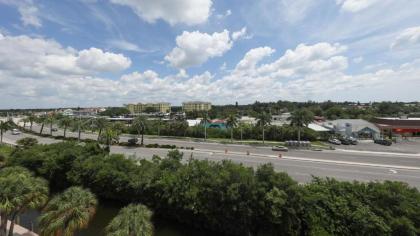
pixel 227 197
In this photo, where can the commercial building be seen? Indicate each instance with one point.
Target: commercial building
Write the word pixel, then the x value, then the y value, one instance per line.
pixel 403 126
pixel 162 107
pixel 282 119
pixel 357 128
pixel 196 106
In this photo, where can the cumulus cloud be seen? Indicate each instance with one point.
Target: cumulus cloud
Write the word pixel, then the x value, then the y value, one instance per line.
pixel 190 12
pixel 355 5
pixel 239 34
pixel 195 48
pixel 408 37
pixel 23 56
pixel 316 72
pixel 29 13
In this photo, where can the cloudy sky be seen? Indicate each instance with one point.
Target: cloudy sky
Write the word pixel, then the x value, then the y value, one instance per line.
pixel 111 52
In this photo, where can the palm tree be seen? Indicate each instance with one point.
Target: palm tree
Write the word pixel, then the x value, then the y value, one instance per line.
pixel 231 122
pixel 20 191
pixel 64 122
pixel 133 220
pixel 4 126
pixel 300 118
pixel 264 119
pixel 42 120
pixel 68 212
pixel 50 120
pixel 110 135
pixel 100 124
pixel 25 120
pixel 31 119
pixel 139 123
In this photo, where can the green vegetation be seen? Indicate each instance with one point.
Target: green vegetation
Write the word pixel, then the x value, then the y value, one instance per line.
pixel 229 198
pixel 115 111
pixel 301 118
pixel 133 220
pixel 68 212
pixel 4 126
pixel 19 191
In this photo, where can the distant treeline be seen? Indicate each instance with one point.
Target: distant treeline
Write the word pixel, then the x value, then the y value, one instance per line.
pixel 229 198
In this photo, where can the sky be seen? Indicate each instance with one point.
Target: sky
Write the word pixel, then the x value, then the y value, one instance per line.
pixel 87 53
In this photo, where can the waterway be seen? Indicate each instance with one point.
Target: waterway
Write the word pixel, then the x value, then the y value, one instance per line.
pixel 104 214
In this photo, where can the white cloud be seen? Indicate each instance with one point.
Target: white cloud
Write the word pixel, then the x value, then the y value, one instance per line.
pixel 126 46
pixel 95 59
pixel 195 48
pixel 356 5
pixel 316 72
pixel 239 34
pixel 226 14
pixel 358 60
pixel 23 56
pixel 29 13
pixel 190 12
pixel 408 37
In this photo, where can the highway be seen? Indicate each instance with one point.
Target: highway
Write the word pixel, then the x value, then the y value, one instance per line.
pixel 300 165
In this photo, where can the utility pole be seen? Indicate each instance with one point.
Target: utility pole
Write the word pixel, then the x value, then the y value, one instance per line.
pixel 78 127
pixel 205 126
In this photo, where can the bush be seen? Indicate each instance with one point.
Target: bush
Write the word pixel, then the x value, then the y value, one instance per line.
pixel 27 142
pixel 229 198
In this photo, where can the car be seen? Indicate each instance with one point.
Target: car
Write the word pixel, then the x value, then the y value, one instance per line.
pixel 280 148
pixel 15 132
pixel 345 141
pixel 385 142
pixel 353 140
pixel 334 141
pixel 54 129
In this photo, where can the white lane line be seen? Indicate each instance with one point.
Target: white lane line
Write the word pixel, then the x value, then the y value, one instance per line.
pixel 382 153
pixel 322 160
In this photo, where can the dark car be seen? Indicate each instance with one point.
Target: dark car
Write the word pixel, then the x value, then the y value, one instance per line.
pixel 383 142
pixel 345 141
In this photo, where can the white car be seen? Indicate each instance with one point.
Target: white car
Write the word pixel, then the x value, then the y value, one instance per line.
pixel 15 132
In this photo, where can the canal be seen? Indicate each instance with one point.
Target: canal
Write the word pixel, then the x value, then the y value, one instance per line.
pixel 106 211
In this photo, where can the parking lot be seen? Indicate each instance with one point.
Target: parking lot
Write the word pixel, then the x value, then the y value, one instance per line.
pixel 404 146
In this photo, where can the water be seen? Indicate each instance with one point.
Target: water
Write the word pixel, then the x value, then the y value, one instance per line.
pixel 104 214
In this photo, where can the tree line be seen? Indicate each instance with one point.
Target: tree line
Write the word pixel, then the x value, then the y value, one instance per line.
pixel 226 197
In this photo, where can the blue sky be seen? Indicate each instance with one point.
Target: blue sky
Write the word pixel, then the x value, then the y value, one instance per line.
pixel 112 52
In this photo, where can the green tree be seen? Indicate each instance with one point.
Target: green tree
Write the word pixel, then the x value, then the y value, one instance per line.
pixel 64 123
pixel 139 123
pixel 42 120
pixel 100 124
pixel 133 220
pixel 264 119
pixel 51 120
pixel 27 142
pixel 231 123
pixel 4 126
pixel 25 121
pixel 32 118
pixel 301 118
pixel 111 135
pixel 19 191
pixel 67 212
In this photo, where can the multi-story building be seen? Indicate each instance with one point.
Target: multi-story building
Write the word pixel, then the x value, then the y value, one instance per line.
pixel 196 106
pixel 163 107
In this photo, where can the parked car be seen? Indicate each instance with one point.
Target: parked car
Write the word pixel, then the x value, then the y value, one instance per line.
pixel 15 132
pixel 334 141
pixel 54 129
pixel 345 141
pixel 280 148
pixel 385 142
pixel 353 140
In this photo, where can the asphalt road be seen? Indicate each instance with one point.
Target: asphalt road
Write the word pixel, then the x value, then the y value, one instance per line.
pixel 301 165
